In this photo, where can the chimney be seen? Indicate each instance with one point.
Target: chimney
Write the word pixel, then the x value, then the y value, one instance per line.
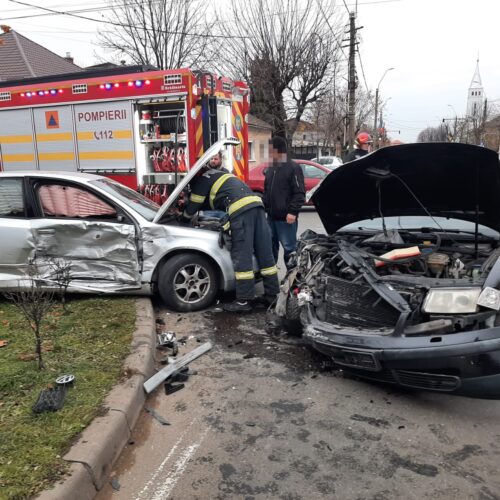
pixel 69 58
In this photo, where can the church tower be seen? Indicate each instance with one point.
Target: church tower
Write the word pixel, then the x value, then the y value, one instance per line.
pixel 476 96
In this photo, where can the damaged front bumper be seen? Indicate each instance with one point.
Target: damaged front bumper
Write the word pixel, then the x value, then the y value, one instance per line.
pixel 465 363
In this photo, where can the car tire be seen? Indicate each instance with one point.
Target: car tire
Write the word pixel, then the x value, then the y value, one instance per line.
pixel 292 323
pixel 188 282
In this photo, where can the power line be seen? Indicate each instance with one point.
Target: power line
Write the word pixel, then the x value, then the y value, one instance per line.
pixel 346 7
pixel 123 25
pixel 331 29
pixel 363 71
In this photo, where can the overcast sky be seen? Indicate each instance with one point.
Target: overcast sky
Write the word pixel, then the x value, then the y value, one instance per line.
pixel 432 45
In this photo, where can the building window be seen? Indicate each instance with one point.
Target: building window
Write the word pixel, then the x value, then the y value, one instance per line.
pixel 251 151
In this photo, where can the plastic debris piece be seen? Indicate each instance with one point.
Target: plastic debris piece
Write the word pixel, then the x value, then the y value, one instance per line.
pixel 67 380
pixel 51 399
pixel 156 415
pixel 115 484
pixel 152 383
pixel 171 388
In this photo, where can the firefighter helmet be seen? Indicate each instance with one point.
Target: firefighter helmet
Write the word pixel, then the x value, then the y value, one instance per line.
pixel 363 138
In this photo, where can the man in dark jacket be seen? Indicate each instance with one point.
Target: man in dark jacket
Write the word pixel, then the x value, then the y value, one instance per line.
pixel 217 189
pixel 284 195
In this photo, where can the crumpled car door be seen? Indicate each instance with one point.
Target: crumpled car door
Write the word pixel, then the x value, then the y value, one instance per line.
pixel 102 255
pixel 16 242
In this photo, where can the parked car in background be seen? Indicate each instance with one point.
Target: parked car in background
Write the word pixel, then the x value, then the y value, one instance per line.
pixel 113 239
pixel 313 174
pixel 329 161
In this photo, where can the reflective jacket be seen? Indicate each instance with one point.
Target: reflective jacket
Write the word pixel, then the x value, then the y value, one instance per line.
pixel 219 190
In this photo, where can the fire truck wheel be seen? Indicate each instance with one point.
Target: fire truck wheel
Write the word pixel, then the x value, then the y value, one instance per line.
pixel 188 282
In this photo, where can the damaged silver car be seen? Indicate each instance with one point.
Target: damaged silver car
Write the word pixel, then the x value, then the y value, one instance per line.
pixel 405 286
pixel 112 239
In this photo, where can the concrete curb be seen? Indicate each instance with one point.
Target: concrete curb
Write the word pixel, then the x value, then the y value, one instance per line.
pixel 100 444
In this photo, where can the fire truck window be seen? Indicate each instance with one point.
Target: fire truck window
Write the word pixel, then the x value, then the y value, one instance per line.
pixel 11 198
pixel 66 201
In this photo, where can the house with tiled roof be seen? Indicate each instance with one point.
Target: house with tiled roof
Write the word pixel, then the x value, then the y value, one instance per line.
pixel 21 58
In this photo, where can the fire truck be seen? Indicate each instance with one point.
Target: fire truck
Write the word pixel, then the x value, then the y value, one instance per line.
pixel 144 128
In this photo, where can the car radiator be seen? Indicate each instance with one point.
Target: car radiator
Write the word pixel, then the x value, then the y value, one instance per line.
pixel 357 305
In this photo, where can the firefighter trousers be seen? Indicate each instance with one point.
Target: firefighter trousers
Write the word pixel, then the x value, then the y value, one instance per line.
pixel 250 234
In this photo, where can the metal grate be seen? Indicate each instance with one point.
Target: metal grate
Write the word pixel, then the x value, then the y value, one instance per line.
pixel 80 88
pixel 226 87
pixel 172 79
pixel 432 381
pixel 357 305
pixel 5 96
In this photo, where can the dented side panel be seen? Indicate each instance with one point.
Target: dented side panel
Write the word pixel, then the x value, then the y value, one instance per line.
pixel 17 249
pixel 102 255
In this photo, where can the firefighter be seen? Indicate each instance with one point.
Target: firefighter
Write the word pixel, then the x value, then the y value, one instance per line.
pixel 362 146
pixel 215 189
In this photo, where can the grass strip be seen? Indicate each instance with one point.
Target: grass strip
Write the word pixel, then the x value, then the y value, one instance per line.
pixel 90 342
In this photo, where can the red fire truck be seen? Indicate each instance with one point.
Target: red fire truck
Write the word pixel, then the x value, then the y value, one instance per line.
pixel 142 127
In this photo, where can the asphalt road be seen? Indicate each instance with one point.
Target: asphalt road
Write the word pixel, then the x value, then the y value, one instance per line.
pixel 262 419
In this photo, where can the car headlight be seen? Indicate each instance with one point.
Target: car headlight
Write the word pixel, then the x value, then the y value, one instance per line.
pixel 489 298
pixel 451 300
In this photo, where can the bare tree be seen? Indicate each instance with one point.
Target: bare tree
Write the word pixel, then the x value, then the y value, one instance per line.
pixel 35 303
pixel 287 51
pixel 162 33
pixel 61 273
pixel 440 133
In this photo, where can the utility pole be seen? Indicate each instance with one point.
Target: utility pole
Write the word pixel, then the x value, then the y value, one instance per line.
pixel 351 85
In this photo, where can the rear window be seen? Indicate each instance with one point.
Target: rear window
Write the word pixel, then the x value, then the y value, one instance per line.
pixel 11 198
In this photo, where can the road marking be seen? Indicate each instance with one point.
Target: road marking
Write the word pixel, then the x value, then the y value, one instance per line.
pixel 174 472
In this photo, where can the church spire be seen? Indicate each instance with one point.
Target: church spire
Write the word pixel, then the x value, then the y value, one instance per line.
pixel 476 79
pixel 475 97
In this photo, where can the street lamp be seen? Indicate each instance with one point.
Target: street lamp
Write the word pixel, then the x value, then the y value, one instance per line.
pixel 375 128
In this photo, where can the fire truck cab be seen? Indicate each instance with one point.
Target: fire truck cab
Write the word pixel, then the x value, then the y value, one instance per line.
pixel 142 127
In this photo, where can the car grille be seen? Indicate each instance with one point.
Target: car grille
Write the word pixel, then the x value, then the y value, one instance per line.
pixel 357 305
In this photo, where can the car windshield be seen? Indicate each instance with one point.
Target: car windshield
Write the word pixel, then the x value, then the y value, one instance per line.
pixel 417 222
pixel 325 161
pixel 131 198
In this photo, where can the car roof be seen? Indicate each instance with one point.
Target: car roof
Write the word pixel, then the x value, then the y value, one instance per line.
pixel 80 176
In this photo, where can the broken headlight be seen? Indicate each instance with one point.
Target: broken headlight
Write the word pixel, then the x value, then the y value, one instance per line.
pixel 490 298
pixel 451 300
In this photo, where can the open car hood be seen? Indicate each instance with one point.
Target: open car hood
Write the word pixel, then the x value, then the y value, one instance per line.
pixel 452 180
pixel 211 151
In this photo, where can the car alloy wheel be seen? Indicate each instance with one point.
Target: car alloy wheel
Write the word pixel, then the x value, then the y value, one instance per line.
pixel 191 283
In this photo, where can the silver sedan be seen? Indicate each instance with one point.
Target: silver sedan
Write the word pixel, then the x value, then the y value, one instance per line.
pixel 112 239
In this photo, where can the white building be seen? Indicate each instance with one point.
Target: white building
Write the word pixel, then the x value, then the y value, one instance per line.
pixel 475 98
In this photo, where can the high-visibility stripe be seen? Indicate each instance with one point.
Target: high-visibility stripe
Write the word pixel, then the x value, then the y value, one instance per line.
pixel 113 134
pixel 245 275
pixel 16 158
pixel 217 185
pixel 60 136
pixel 197 198
pixel 15 139
pixel 56 156
pixel 243 202
pixel 106 155
pixel 269 271
pixel 186 215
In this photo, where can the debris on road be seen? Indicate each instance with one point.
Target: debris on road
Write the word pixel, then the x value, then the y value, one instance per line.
pixel 115 484
pixel 156 415
pixel 152 383
pixel 171 388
